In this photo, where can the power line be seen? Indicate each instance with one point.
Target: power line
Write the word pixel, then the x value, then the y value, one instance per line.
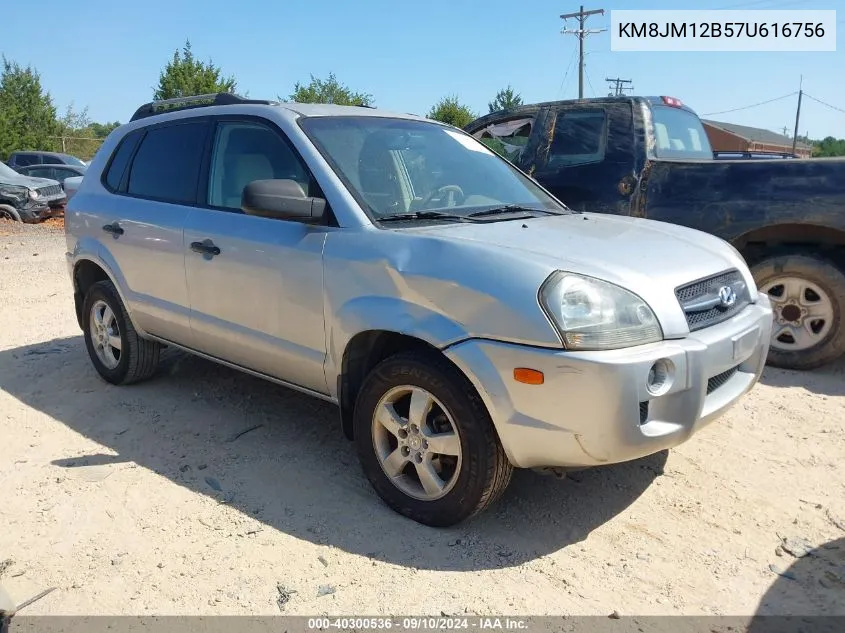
pixel 568 68
pixel 582 33
pixel 832 107
pixel 590 82
pixel 753 105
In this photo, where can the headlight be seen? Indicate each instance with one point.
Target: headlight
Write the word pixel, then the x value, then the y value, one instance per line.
pixel 33 194
pixel 592 314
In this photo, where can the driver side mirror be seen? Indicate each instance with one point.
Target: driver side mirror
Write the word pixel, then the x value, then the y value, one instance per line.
pixel 281 199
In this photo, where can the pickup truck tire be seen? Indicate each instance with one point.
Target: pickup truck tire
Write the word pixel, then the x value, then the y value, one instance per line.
pixel 9 212
pixel 802 287
pixel 470 473
pixel 119 355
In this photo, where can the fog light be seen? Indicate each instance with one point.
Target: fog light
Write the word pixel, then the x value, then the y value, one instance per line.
pixel 660 377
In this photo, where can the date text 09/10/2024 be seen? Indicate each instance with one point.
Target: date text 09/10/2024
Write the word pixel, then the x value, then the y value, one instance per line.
pixel 418 623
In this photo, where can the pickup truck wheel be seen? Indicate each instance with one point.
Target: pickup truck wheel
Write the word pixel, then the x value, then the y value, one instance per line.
pixel 808 303
pixel 119 355
pixel 426 441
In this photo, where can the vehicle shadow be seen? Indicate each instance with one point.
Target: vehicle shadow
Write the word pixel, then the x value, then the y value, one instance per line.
pixel 811 590
pixel 296 472
pixel 825 381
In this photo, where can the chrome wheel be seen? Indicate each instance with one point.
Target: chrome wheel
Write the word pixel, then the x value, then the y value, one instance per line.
pixel 105 334
pixel 802 313
pixel 416 442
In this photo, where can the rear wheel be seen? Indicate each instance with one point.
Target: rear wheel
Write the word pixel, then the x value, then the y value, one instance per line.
pixel 426 441
pixel 808 303
pixel 118 354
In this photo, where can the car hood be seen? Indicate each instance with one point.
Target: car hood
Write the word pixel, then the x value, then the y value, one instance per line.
pixel 27 181
pixel 646 257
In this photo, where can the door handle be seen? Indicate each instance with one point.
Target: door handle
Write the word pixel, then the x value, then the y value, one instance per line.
pixel 113 228
pixel 206 247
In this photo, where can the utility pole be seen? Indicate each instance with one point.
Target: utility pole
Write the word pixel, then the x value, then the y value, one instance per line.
pixel 798 115
pixel 786 131
pixel 620 88
pixel 581 32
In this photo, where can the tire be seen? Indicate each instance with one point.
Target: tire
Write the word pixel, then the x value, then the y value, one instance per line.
pixel 817 286
pixel 479 474
pixel 137 358
pixel 10 213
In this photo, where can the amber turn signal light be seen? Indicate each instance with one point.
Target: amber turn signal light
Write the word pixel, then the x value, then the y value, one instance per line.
pixel 528 376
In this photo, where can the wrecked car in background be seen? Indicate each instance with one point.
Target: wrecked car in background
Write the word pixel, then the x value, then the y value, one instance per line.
pixel 28 199
pixel 650 157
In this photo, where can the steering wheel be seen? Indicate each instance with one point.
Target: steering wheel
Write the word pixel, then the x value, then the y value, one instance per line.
pixel 448 195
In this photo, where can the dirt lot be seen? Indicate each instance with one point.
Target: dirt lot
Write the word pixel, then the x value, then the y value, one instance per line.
pixel 140 499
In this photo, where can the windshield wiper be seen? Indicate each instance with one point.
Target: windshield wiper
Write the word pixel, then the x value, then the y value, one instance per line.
pixel 512 208
pixel 425 215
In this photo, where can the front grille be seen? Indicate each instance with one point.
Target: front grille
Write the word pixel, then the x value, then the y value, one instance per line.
pixel 700 299
pixel 719 380
pixel 51 190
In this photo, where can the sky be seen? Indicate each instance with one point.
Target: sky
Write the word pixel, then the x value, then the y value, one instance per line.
pixel 107 55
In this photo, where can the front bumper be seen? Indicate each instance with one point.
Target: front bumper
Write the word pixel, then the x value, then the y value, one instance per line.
pixel 595 408
pixel 39 211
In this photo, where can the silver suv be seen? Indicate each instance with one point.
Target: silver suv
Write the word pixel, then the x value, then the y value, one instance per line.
pixel 464 320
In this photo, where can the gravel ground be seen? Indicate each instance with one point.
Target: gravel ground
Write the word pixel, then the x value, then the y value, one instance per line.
pixel 140 499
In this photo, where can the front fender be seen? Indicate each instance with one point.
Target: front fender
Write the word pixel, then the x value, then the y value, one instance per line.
pixel 390 314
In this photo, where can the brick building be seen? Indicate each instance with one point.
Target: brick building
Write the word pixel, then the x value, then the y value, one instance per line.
pixel 729 137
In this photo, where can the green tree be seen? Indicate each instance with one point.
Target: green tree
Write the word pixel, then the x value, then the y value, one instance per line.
pixel 506 99
pixel 829 146
pixel 329 90
pixel 185 75
pixel 450 110
pixel 102 130
pixel 27 113
pixel 75 135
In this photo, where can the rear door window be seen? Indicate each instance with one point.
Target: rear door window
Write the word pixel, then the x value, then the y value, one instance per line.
pixel 50 160
pixel 60 173
pixel 579 137
pixel 167 164
pixel 22 160
pixel 41 172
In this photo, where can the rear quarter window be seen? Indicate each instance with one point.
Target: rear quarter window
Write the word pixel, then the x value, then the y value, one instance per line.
pixel 679 134
pixel 120 159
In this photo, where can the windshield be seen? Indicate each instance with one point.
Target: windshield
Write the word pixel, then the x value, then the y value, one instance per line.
pixel 679 134
pixel 397 166
pixel 8 172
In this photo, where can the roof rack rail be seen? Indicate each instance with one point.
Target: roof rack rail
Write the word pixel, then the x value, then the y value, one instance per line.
pixel 194 101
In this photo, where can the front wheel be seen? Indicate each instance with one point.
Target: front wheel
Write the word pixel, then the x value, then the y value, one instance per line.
pixel 808 303
pixel 426 441
pixel 9 213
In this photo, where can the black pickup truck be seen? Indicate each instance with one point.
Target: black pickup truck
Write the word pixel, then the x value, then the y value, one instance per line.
pixel 650 157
